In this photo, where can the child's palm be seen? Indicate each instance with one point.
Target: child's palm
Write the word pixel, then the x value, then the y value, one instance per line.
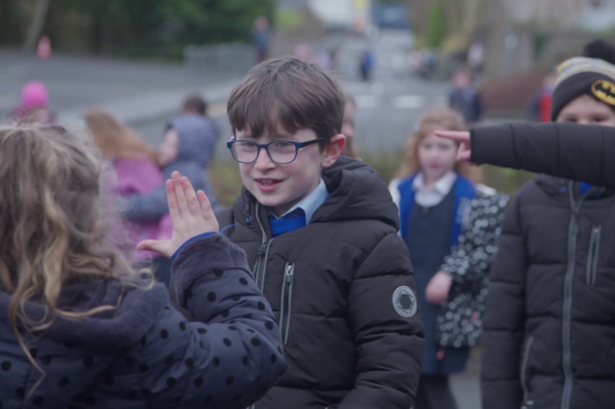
pixel 191 215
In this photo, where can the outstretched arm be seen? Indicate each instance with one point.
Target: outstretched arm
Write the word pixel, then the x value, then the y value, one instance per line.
pixel 570 151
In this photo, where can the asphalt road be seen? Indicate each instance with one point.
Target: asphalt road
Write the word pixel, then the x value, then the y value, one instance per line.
pixel 389 106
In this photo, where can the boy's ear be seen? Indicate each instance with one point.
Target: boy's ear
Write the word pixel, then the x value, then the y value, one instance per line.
pixel 334 150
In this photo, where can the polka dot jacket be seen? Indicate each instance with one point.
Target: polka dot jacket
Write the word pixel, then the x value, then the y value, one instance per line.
pixel 145 354
pixel 459 322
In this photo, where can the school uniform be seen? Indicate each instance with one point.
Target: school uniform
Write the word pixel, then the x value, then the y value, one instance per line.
pixel 431 222
pixel 339 280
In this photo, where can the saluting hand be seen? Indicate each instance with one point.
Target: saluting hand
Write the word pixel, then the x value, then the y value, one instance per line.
pixel 464 153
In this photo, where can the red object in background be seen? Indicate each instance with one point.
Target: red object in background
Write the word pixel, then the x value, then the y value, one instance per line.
pixel 43 50
pixel 544 106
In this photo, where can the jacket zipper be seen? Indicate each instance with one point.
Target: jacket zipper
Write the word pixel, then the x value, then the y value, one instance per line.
pixel 527 403
pixel 573 232
pixel 286 300
pixel 592 258
pixel 260 266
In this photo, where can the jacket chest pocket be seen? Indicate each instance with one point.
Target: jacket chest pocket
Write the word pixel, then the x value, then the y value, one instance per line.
pixel 593 256
pixel 286 301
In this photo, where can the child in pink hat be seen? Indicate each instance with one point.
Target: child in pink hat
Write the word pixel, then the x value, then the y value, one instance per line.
pixel 34 105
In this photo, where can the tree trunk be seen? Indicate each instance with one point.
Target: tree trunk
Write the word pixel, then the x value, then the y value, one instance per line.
pixel 37 24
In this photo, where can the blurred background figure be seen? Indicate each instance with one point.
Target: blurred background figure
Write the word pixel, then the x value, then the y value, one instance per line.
pixel 136 171
pixel 539 105
pixel 34 104
pixel 476 56
pixel 261 37
pixel 464 99
pixel 366 65
pixel 304 52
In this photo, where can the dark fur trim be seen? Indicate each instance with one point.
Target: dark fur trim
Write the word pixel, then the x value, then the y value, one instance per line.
pixel 204 256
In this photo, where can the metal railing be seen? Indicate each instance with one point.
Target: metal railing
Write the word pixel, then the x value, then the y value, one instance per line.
pixel 221 60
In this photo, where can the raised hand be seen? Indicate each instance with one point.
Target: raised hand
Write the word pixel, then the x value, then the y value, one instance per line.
pixel 464 153
pixel 191 215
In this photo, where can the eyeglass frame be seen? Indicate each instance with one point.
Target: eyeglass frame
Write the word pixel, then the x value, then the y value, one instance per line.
pixel 265 146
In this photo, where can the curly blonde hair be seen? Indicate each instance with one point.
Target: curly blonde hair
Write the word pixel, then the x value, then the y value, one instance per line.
pixel 437 119
pixel 52 227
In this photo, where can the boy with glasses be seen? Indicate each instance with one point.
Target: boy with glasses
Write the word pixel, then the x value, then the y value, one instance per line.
pixel 320 231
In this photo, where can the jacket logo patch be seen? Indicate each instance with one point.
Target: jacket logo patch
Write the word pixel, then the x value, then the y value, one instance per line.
pixel 404 301
pixel 605 91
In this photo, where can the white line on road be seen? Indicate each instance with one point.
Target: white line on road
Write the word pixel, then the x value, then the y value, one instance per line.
pixel 367 101
pixel 409 102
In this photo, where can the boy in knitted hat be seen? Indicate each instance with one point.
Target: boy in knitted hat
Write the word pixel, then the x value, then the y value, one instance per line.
pixel 548 329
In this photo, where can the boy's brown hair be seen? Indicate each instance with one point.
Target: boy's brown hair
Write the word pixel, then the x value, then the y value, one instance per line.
pixel 287 92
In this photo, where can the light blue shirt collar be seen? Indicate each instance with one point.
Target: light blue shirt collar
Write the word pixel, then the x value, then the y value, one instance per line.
pixel 310 203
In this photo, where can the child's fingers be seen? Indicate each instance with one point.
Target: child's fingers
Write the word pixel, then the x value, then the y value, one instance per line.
pixel 454 135
pixel 172 201
pixel 182 202
pixel 193 202
pixel 206 209
pixel 160 247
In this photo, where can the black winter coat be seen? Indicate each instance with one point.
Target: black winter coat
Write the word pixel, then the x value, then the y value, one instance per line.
pixel 144 354
pixel 549 325
pixel 460 319
pixel 571 151
pixel 342 290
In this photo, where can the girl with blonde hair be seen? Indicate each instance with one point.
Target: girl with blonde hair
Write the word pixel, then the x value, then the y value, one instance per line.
pixel 433 193
pixel 136 172
pixel 79 327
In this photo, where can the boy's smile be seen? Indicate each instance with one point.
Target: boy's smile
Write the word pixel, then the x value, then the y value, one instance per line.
pixel 280 187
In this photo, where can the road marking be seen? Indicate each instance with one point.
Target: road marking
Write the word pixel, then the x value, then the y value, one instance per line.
pixel 409 102
pixel 367 101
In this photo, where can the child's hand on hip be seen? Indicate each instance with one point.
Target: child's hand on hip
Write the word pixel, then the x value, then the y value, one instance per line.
pixel 191 215
pixel 438 288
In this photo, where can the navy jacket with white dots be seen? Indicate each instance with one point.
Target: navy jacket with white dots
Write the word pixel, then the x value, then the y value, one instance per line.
pixel 144 353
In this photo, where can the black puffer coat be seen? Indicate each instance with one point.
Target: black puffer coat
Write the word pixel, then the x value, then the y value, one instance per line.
pixel 331 285
pixel 549 330
pixel 144 354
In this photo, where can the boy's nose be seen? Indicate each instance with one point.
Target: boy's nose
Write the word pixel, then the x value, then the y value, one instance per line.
pixel 264 161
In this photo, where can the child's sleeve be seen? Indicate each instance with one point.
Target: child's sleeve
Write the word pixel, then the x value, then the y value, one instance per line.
pixel 232 355
pixel 389 338
pixel 504 319
pixel 147 207
pixel 471 258
pixel 566 150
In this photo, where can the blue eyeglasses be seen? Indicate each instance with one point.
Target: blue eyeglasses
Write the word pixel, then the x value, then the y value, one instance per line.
pixel 281 152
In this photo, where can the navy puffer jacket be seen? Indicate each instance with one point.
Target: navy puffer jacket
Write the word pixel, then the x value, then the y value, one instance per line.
pixel 144 354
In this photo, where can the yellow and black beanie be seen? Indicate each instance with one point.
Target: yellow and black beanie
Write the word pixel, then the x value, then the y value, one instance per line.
pixel 593 73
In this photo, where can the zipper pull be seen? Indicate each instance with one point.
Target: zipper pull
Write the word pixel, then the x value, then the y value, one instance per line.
pixel 261 250
pixel 290 272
